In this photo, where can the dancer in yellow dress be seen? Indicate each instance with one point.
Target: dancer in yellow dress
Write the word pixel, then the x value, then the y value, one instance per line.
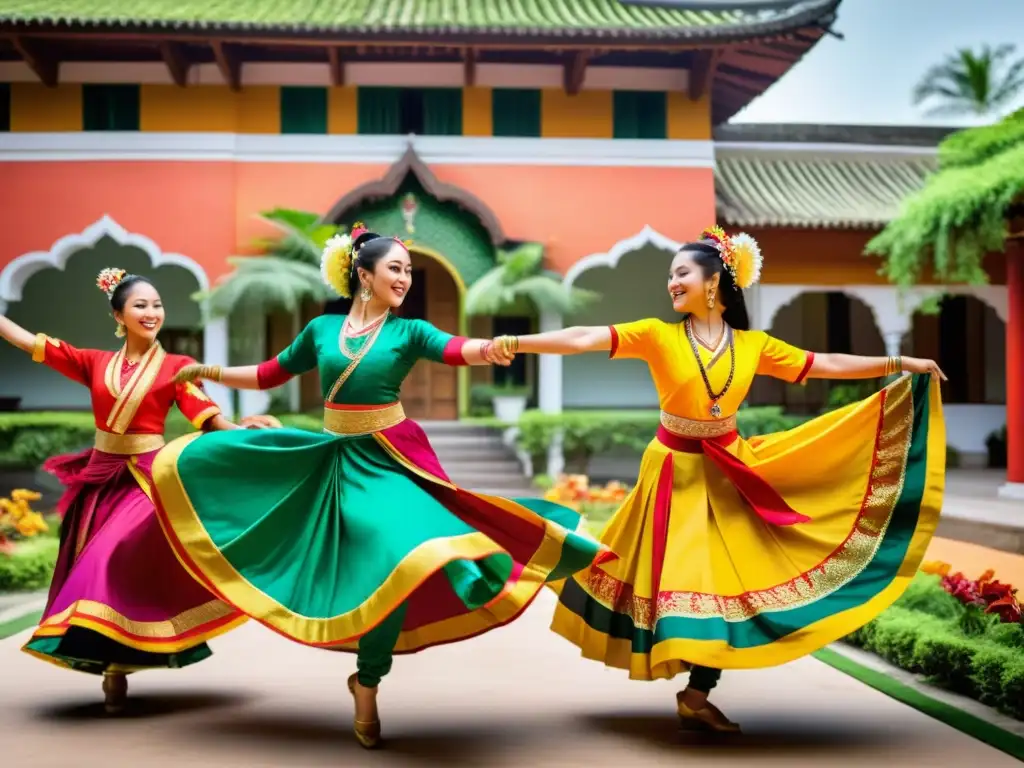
pixel 749 553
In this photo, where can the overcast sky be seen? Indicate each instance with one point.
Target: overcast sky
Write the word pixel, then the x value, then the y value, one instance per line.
pixel 867 78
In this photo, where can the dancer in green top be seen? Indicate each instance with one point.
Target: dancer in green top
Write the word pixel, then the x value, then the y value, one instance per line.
pixel 355 539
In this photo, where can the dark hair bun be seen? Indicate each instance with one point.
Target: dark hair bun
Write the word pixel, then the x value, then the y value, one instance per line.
pixel 363 239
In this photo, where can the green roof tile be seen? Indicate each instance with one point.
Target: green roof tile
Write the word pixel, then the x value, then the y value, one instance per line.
pixel 798 189
pixel 524 17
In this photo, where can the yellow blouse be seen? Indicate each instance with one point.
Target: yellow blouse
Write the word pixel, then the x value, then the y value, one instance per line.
pixel 681 391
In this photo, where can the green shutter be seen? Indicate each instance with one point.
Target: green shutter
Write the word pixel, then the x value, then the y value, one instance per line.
pixel 442 112
pixel 5 106
pixel 380 110
pixel 303 109
pixel 640 115
pixel 110 107
pixel 516 112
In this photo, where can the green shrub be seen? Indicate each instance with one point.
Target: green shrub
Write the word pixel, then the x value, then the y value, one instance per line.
pixel 948 658
pixel 1007 635
pixel 1012 700
pixel 925 594
pixel 30 567
pixel 987 669
pixel 995 445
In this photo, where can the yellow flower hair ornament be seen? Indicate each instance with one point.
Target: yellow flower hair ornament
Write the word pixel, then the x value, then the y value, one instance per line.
pixel 740 254
pixel 108 280
pixel 336 263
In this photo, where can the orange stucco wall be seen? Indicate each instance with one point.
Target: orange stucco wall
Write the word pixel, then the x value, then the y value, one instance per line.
pixel 832 257
pixel 207 210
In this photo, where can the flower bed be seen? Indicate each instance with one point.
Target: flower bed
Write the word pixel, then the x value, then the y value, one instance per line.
pixel 596 503
pixel 965 635
pixel 27 556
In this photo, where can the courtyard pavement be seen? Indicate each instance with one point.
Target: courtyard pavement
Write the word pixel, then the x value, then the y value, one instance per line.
pixel 519 696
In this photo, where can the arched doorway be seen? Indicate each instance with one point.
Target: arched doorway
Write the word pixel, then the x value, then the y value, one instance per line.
pixel 65 303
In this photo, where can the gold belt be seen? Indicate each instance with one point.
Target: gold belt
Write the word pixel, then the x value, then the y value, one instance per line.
pixel 127 445
pixel 362 420
pixel 692 428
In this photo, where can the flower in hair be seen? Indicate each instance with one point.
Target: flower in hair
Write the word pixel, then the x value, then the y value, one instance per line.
pixel 108 280
pixel 336 263
pixel 740 254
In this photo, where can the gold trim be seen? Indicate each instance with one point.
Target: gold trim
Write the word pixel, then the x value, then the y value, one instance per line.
pixel 39 348
pixel 127 445
pixel 138 386
pixel 204 415
pixel 697 430
pixel 351 367
pixel 362 421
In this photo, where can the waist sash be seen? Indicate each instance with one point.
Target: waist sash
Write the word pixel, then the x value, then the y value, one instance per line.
pixel 712 439
pixel 361 419
pixel 127 445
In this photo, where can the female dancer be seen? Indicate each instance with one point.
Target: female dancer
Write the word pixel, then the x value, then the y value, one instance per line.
pixel 119 601
pixel 355 539
pixel 749 553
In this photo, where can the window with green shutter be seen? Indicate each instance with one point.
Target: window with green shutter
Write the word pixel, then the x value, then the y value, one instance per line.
pixel 516 111
pixel 303 109
pixel 423 111
pixel 110 107
pixel 5 106
pixel 640 115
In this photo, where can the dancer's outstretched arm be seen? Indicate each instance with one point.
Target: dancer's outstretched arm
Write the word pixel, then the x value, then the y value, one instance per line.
pixel 16 335
pixel 568 341
pixel 837 366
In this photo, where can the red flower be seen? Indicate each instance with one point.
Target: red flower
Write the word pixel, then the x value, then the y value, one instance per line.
pixel 1007 608
pixel 996 590
pixel 963 589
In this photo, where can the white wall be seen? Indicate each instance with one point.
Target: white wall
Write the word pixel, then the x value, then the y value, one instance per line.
pixel 67 305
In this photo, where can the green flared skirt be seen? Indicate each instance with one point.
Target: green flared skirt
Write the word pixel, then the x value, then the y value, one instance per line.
pixel 321 537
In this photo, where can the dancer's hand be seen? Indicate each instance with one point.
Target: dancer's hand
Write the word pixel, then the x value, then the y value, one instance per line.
pixel 263 421
pixel 195 371
pixel 495 354
pixel 920 365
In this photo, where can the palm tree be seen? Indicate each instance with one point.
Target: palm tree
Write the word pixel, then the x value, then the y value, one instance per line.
pixel 282 279
pixel 518 277
pixel 966 83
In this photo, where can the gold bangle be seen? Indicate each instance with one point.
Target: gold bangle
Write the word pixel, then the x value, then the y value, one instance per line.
pixel 213 372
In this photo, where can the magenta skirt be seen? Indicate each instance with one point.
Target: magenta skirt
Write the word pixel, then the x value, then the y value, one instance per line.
pixel 119 599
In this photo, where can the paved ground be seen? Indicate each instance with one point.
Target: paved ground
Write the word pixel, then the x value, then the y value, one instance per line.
pixel 516 697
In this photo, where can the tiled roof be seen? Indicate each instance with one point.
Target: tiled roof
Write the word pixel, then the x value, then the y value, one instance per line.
pixel 813 133
pixel 607 18
pixel 757 188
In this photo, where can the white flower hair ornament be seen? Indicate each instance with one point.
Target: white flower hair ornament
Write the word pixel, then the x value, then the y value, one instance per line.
pixel 740 254
pixel 336 263
pixel 108 280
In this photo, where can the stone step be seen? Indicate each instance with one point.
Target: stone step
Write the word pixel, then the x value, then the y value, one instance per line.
pixel 459 455
pixel 456 428
pixel 508 467
pixel 471 478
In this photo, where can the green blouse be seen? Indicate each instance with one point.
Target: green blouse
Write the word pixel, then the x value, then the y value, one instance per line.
pixel 379 376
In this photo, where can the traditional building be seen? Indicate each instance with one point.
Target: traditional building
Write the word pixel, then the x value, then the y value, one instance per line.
pixel 151 141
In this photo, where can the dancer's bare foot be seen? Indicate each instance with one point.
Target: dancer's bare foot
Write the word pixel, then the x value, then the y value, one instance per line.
pixel 366 724
pixel 697 713
pixel 115 691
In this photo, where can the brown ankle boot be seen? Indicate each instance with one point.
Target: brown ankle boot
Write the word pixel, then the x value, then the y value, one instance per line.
pixel 115 689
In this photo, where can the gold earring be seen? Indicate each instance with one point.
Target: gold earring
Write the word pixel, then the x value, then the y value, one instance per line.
pixel 711 299
pixel 120 332
pixel 365 294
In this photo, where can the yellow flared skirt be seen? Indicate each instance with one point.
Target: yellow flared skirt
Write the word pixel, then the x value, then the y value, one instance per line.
pixel 701 579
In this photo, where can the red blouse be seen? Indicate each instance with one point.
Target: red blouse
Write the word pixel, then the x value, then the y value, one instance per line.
pixel 127 398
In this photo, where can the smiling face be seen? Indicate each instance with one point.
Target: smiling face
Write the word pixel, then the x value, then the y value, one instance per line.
pixel 392 276
pixel 143 313
pixel 687 286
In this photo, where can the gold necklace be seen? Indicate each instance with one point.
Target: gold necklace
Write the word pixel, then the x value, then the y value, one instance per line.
pixel 348 333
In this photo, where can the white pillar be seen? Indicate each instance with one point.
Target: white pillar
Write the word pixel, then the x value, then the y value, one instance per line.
pixel 215 352
pixel 294 384
pixel 893 342
pixel 549 396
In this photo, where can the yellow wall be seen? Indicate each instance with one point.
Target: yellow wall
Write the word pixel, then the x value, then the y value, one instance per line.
pixel 587 115
pixel 342 110
pixel 259 109
pixel 34 107
pixel 477 117
pixel 688 119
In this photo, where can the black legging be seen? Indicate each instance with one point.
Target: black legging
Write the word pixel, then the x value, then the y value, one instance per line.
pixel 703 679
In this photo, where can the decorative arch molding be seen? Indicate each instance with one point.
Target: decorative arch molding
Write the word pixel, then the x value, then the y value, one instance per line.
pixel 610 258
pixel 15 275
pixel 388 186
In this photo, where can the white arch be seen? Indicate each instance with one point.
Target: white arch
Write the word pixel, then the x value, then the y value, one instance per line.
pixel 16 274
pixel 611 257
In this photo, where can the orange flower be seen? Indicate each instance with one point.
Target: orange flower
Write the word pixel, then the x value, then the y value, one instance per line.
pixel 936 568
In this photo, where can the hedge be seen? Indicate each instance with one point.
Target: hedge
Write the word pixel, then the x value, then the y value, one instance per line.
pixel 924 632
pixel 30 566
pixel 27 439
